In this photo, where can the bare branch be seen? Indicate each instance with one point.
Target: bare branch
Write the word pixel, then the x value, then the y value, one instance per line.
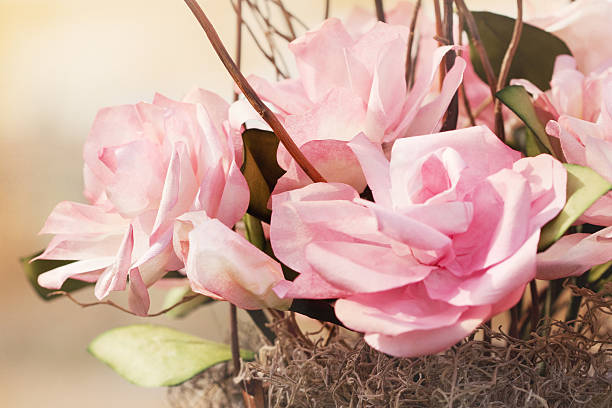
pixel 268 116
pixel 380 10
pixel 270 56
pixel 452 113
pixel 291 15
pixel 482 53
pixel 287 18
pixel 238 39
pixel 438 36
pixel 464 98
pixel 505 68
pixel 116 306
pixel 413 23
pixel 234 344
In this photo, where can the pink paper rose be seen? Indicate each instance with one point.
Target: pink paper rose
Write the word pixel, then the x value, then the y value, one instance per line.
pixel 449 241
pixel 584 25
pixel 352 84
pixel 571 92
pixel 587 144
pixel 146 166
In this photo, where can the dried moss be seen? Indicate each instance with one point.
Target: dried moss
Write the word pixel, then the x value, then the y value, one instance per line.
pixel 564 364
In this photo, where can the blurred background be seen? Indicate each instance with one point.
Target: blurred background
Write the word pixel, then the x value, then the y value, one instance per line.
pixel 61 61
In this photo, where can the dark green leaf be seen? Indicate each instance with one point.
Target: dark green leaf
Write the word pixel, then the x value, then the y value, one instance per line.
pixel 33 269
pixel 517 99
pixel 157 356
pixel 535 56
pixel 260 169
pixel 584 187
pixel 319 309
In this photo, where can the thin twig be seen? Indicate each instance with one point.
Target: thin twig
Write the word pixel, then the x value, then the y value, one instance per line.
pixel 452 113
pixel 269 26
pixel 287 18
pixel 116 306
pixel 238 39
pixel 268 55
pixel 505 67
pixel 327 9
pixel 438 37
pixel 234 344
pixel 482 53
pixel 483 105
pixel 380 10
pixel 268 116
pixel 291 15
pixel 535 305
pixel 413 23
pixel 464 98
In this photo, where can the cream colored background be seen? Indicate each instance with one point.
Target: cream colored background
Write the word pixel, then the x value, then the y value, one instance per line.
pixel 60 61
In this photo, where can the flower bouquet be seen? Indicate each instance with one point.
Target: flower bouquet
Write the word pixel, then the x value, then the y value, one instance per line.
pixel 420 215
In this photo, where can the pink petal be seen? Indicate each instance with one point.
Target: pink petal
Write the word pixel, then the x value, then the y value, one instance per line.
pixel 290 233
pixel 320 58
pixel 75 218
pixel 492 284
pixel 308 285
pixel 363 268
pixel 500 224
pixel 396 311
pixel 421 342
pixel 375 167
pixel 136 172
pixel 138 297
pixel 179 192
pixel 288 95
pixel 114 277
pixel 423 81
pixel 215 106
pixel 388 89
pixel 224 263
pixel 235 197
pixel 547 180
pixel 430 115
pixel 483 152
pixel 574 254
pixel 80 247
pixel 55 278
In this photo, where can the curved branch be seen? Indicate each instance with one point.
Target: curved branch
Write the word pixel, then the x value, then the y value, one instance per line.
pixel 505 67
pixel 482 53
pixel 123 309
pixel 268 116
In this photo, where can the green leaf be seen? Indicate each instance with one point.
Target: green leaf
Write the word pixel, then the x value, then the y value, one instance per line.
pixel 177 294
pixel 33 269
pixel 599 275
pixel 157 356
pixel 260 169
pixel 517 99
pixel 535 56
pixel 584 187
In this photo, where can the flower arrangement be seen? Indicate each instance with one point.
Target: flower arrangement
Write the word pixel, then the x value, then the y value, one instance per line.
pixel 410 182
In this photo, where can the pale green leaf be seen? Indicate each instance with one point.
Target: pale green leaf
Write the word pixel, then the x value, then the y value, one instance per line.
pixel 175 295
pixel 157 356
pixel 517 99
pixel 584 187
